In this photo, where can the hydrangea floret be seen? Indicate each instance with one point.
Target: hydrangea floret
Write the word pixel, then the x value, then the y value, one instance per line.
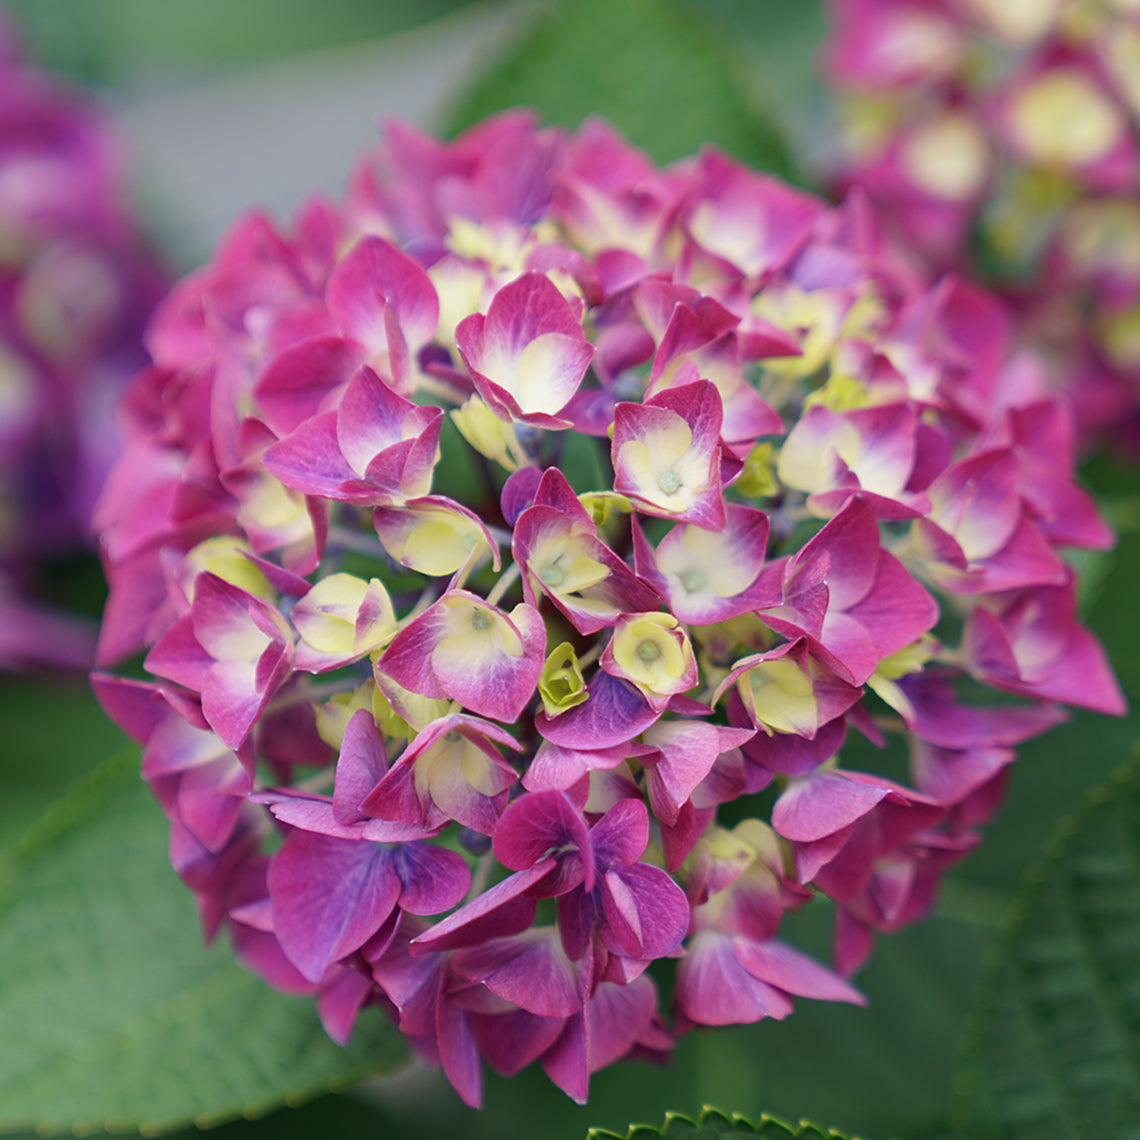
pixel 515 544
pixel 1005 137
pixel 76 287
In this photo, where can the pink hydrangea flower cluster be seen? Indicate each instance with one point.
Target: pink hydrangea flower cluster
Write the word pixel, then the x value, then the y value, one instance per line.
pixel 515 545
pixel 75 292
pixel 1012 130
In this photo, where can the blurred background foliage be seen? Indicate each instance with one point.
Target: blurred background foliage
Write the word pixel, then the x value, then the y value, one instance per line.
pixel 229 102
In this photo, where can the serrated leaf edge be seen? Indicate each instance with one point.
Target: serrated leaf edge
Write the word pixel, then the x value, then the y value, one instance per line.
pixel 712 1115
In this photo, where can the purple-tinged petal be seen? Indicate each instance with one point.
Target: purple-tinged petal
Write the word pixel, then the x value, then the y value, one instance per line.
pixel 780 965
pixel 452 767
pixel 465 649
pixel 617 1017
pixel 713 988
pixel 500 910
pixel 620 837
pixel 309 460
pixel 685 754
pixel 539 824
pixel 312 812
pixel 511 1041
pixel 527 969
pixel 565 1063
pixel 518 493
pixel 555 542
pixel 823 804
pixel 434 879
pixel 614 714
pixel 646 913
pixel 340 1000
pixel 360 767
pixel 488 661
pixel 555 768
pixel 458 1051
pixel 329 897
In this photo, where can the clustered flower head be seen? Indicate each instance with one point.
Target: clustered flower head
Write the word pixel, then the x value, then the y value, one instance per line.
pixel 514 546
pixel 75 291
pixel 1010 131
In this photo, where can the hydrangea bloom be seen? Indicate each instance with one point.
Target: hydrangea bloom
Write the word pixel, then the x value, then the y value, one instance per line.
pixel 75 290
pixel 490 531
pixel 1012 130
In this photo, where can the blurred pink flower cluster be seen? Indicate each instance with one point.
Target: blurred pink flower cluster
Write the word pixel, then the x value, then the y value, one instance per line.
pixel 1004 138
pixel 75 291
pixel 515 546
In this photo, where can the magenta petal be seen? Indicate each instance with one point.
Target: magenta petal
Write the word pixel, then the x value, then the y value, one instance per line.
pixel 371 418
pixel 260 952
pixel 566 1062
pixel 458 1052
pixel 529 354
pixel 315 813
pixel 821 805
pixel 137 707
pixel 309 460
pixel 518 493
pixel 558 769
pixel 434 878
pixel 329 897
pixel 852 540
pixel 511 1041
pixel 614 713
pixel 620 837
pixel 498 905
pixel 541 822
pixel 361 766
pixel 372 278
pixel 714 989
pixel 340 1001
pixel 616 1016
pixel 231 700
pixel 179 656
pixel 205 807
pixel 528 969
pixel 297 381
pixel 793 755
pixel 852 944
pixel 647 914
pixel 789 970
pixel 897 610
pixel 408 659
pixel 686 755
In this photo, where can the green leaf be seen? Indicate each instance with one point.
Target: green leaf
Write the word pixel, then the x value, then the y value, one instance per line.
pixel 112 1013
pixel 715 1125
pixel 54 732
pixel 1054 1042
pixel 652 67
